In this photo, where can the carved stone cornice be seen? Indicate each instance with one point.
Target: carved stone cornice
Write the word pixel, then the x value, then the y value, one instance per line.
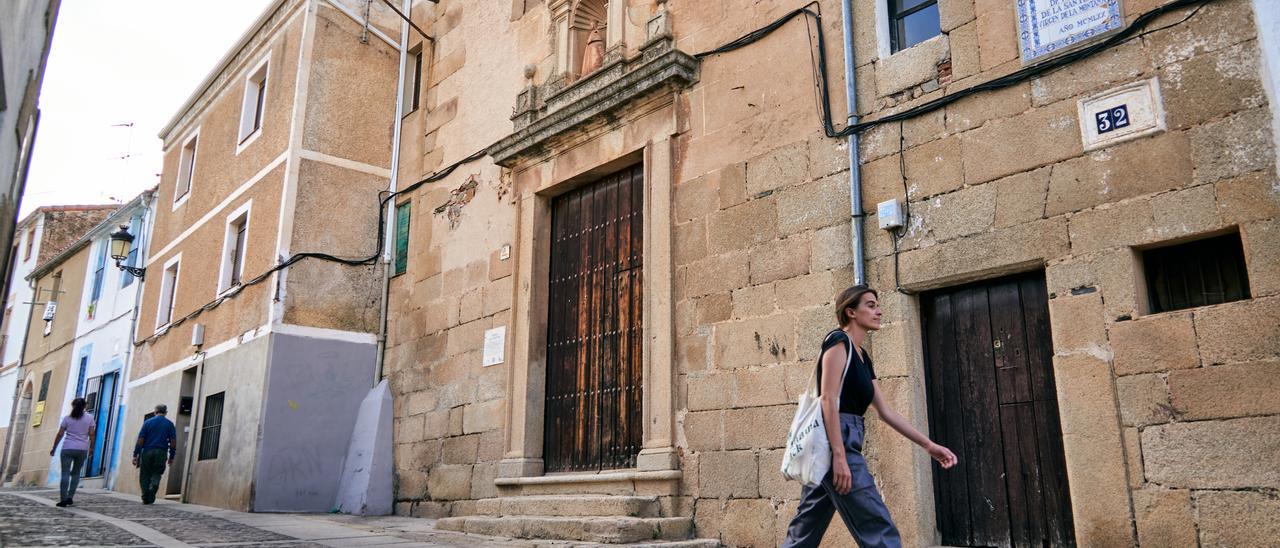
pixel 544 113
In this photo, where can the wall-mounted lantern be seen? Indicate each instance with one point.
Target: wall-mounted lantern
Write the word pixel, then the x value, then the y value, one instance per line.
pixel 121 244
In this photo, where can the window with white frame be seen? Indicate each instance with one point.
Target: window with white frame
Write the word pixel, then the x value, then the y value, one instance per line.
pixel 255 99
pixel 233 248
pixel 99 276
pixel 413 79
pixel 186 169
pixel 168 287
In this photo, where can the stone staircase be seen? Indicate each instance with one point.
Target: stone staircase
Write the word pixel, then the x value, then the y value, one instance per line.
pixel 596 519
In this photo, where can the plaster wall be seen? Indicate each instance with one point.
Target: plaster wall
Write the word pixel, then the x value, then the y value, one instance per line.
pixel 239 373
pixel 26 30
pixel 313 392
pixel 16 311
pixel 199 273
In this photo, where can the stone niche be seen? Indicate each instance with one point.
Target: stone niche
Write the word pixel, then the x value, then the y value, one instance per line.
pixel 550 110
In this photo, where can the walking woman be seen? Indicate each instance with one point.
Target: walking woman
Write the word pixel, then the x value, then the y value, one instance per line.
pixel 78 431
pixel 849 488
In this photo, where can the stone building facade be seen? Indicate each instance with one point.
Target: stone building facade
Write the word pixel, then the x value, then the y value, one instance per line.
pixel 1027 297
pixel 282 150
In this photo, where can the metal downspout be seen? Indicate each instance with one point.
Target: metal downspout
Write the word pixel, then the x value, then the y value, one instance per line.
pixel 855 176
pixel 389 228
pixel 127 368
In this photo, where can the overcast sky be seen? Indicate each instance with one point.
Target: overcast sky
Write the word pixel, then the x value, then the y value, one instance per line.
pixel 118 62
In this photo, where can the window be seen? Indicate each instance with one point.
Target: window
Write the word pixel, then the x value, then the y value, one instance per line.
pixel 413 79
pixel 912 22
pixel 44 386
pixel 99 273
pixel 233 248
pixel 168 286
pixel 1199 273
pixel 402 237
pixel 135 228
pixel 255 98
pixel 84 368
pixel 31 241
pixel 186 170
pixel 211 426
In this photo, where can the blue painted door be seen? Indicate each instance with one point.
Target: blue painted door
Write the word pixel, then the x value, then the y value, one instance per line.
pixel 102 419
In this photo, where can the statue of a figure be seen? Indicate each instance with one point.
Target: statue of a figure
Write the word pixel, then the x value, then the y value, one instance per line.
pixel 593 56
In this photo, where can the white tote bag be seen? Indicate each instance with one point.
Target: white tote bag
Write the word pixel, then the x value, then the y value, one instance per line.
pixel 808 455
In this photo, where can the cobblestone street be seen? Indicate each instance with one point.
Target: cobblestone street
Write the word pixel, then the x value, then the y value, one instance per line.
pixel 101 518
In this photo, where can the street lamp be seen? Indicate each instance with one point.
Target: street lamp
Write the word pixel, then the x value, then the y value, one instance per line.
pixel 121 242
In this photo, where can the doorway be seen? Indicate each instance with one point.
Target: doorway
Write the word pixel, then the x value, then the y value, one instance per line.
pixel 182 422
pixel 991 398
pixel 100 403
pixel 594 326
pixel 19 429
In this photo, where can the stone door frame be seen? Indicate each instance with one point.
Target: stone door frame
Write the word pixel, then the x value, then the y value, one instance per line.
pixel 645 137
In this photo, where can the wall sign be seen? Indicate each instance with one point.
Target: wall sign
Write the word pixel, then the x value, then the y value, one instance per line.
pixel 495 345
pixel 1120 114
pixel 1048 27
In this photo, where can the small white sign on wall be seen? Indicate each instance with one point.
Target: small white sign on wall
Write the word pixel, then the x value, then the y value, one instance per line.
pixel 1048 27
pixel 1121 114
pixel 495 345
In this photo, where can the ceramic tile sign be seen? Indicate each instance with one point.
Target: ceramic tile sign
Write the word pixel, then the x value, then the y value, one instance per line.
pixel 1049 27
pixel 495 345
pixel 1120 114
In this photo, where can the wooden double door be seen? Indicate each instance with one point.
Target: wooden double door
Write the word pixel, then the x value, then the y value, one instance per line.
pixel 593 418
pixel 991 399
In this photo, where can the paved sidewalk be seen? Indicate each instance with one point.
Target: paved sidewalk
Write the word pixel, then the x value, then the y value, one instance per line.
pixel 104 518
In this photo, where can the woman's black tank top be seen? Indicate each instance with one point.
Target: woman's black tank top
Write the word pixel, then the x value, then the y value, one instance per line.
pixel 857 392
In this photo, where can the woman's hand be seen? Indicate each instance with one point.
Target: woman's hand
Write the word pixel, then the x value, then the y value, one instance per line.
pixel 840 476
pixel 943 455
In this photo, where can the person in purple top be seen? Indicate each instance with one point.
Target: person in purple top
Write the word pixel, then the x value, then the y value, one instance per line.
pixel 77 429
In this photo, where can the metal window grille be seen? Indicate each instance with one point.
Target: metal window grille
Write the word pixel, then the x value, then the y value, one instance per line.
pixel 211 426
pixel 912 22
pixel 1199 273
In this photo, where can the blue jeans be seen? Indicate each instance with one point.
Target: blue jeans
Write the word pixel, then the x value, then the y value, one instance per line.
pixel 72 464
pixel 862 509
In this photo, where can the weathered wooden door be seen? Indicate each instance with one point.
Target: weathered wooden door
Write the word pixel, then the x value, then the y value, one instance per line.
pixel 992 400
pixel 593 390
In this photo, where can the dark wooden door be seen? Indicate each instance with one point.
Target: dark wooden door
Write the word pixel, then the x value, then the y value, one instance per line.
pixel 991 398
pixel 593 391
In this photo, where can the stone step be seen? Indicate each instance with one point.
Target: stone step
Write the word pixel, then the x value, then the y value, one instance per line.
pixel 597 529
pixel 570 506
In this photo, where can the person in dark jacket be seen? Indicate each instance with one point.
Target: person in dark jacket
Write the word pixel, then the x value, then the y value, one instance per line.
pixel 157 439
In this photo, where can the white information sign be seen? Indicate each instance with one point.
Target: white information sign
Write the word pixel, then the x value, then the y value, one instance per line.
pixel 1046 27
pixel 495 345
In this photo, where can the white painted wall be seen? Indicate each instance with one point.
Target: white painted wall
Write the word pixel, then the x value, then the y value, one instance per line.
pixel 1267 17
pixel 19 290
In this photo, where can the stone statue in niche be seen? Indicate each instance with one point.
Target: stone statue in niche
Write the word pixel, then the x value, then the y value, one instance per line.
pixel 593 55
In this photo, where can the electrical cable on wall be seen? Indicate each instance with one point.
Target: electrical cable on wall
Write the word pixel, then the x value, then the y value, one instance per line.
pixel 819 69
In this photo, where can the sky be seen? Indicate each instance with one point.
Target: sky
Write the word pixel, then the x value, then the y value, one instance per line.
pixel 117 62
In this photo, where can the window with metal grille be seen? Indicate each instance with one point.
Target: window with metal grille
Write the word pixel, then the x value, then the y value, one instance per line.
pixel 1199 273
pixel 402 237
pixel 211 426
pixel 912 22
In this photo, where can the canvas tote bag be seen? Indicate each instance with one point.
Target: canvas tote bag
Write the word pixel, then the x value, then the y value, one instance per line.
pixel 808 455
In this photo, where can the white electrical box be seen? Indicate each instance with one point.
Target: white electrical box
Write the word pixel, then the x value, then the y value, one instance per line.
pixel 197 335
pixel 890 214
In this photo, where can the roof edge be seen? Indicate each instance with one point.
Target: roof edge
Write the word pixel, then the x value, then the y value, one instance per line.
pixel 220 66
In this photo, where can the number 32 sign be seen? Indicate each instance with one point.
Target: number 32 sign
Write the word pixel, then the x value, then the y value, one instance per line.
pixel 1112 119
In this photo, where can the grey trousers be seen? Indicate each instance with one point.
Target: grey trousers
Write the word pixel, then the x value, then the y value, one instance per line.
pixel 72 464
pixel 862 509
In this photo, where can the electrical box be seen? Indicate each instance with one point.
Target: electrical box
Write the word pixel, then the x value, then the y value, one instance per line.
pixel 197 335
pixel 890 214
